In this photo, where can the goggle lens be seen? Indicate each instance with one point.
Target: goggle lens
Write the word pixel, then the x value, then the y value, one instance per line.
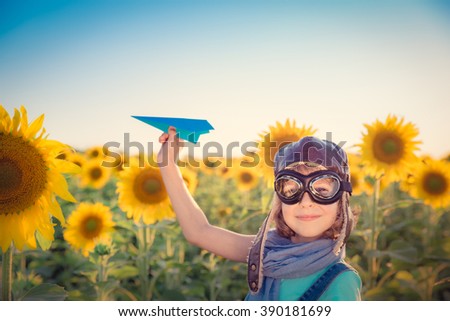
pixel 325 187
pixel 288 187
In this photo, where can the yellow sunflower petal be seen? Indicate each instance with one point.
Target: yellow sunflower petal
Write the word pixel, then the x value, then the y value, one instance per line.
pixel 5 231
pixel 56 211
pixel 64 166
pixel 35 126
pixel 61 188
pixel 16 228
pixel 16 121
pixel 5 120
pixel 24 119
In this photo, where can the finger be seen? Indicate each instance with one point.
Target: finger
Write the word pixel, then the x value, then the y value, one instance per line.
pixel 172 132
pixel 163 138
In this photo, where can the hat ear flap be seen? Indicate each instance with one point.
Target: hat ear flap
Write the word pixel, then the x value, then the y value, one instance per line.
pixel 347 224
pixel 256 254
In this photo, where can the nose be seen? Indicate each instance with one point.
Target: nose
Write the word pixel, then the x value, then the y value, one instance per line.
pixel 305 200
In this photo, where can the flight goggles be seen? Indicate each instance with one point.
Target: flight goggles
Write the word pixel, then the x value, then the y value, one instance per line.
pixel 324 187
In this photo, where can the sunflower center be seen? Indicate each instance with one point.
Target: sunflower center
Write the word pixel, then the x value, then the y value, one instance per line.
pixel 149 187
pixel 23 174
pixel 388 147
pixel 434 183
pixel 10 176
pixel 95 153
pixel 246 177
pixel 95 173
pixel 91 227
pixel 211 164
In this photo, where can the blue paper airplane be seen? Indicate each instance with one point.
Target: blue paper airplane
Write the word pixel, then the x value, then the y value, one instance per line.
pixel 187 128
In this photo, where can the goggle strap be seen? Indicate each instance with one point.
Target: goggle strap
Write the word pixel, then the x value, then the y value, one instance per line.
pixel 347 187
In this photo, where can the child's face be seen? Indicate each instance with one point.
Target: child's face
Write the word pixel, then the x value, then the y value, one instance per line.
pixel 308 219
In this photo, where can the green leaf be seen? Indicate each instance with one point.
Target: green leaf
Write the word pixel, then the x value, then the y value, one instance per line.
pixel 402 251
pixel 124 272
pixel 44 244
pixel 45 292
pixel 126 225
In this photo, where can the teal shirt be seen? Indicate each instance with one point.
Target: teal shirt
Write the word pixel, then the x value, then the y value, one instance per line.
pixel 345 287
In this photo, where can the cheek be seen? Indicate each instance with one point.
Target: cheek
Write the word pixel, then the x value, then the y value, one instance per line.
pixel 331 214
pixel 331 210
pixel 287 211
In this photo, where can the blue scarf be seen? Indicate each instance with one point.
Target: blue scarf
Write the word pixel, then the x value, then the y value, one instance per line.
pixel 284 259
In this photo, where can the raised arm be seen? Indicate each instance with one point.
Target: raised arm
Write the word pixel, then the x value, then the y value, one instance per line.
pixel 193 222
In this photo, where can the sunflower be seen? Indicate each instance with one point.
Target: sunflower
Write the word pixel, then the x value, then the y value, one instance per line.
pixel 97 152
pixel 210 165
pixel 246 178
pixel 430 182
pixel 142 194
pixel 189 178
pixel 388 148
pixel 88 225
pixel 116 162
pixel 270 142
pixel 30 177
pixel 226 168
pixel 224 211
pixel 93 174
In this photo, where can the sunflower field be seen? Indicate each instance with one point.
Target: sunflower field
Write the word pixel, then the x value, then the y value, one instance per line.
pixel 73 227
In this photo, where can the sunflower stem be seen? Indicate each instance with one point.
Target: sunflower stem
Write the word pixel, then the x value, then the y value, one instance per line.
pixel 373 236
pixel 146 237
pixel 102 277
pixel 7 274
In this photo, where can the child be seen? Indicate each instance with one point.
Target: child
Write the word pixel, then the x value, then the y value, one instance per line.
pixel 303 256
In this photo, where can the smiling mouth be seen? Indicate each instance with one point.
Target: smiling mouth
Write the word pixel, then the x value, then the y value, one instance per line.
pixel 308 217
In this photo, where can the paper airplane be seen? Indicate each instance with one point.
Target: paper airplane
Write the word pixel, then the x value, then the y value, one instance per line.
pixel 187 128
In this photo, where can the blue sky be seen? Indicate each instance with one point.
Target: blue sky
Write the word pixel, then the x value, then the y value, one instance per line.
pixel 242 65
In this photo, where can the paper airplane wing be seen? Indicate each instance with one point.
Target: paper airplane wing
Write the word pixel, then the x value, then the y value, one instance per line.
pixel 187 128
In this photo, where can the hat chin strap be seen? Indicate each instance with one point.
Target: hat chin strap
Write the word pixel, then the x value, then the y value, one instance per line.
pixel 256 252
